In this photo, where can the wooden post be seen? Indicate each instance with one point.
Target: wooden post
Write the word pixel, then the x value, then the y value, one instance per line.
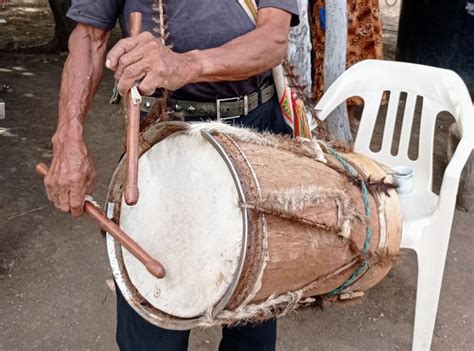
pixel 335 64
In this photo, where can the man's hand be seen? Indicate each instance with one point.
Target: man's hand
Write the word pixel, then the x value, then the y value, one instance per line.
pixel 145 58
pixel 71 175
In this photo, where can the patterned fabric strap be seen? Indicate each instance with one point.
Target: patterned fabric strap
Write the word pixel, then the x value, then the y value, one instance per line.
pixel 293 109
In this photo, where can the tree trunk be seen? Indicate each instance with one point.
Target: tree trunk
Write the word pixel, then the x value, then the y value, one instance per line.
pixel 299 48
pixel 335 64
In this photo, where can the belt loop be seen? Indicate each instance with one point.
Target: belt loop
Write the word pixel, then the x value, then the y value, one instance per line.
pixel 218 110
pixel 246 105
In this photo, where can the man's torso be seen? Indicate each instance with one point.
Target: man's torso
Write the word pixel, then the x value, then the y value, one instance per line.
pixel 192 24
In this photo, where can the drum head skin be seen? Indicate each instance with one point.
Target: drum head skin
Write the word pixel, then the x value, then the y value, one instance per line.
pixel 188 217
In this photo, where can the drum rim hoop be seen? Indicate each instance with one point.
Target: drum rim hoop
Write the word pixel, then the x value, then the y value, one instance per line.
pixel 150 313
pixel 245 218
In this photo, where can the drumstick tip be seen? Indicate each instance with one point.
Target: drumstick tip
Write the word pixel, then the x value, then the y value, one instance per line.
pixel 131 194
pixel 41 169
pixel 155 268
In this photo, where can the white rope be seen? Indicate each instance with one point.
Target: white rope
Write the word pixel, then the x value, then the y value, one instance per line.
pixel 136 97
pixel 272 307
pixel 90 199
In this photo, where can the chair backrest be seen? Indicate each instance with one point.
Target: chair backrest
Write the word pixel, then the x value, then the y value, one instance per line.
pixel 441 89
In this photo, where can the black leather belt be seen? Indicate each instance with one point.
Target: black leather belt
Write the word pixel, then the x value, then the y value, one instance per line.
pixel 221 109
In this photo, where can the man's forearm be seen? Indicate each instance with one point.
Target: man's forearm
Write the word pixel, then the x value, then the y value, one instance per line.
pixel 71 174
pixel 245 56
pixel 81 77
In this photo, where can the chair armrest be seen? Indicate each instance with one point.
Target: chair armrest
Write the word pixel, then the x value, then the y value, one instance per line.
pixel 452 174
pixel 332 98
pixel 327 104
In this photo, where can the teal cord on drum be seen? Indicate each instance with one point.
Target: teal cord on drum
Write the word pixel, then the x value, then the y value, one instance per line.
pixel 368 232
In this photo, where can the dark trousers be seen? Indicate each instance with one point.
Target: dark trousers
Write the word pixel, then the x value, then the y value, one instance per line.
pixel 136 334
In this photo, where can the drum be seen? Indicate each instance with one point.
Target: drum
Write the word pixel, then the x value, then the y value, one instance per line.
pixel 249 226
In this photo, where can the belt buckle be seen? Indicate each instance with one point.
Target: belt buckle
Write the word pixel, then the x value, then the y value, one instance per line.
pixel 234 99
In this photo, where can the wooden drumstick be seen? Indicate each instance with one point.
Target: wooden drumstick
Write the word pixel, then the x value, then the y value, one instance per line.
pixel 153 266
pixel 131 192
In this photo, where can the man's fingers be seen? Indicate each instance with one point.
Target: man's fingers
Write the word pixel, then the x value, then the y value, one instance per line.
pixel 130 75
pixel 90 183
pixel 50 190
pixel 148 85
pixel 61 200
pixel 127 60
pixel 78 211
pixel 69 198
pixel 121 48
pixel 76 202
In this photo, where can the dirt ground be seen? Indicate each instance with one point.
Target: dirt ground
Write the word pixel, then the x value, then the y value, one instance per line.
pixel 53 269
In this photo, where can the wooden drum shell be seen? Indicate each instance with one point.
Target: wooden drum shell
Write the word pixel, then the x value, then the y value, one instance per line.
pixel 282 255
pixel 297 255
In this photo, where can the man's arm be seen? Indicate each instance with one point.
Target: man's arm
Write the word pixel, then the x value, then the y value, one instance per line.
pixel 145 58
pixel 71 175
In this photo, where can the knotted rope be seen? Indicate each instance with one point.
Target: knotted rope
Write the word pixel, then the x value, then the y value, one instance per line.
pixel 368 231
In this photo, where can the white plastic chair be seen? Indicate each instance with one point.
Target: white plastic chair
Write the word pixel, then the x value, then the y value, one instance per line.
pixel 427 218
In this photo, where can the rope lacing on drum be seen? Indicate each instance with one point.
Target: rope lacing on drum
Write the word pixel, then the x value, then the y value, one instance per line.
pixel 289 216
pixel 362 268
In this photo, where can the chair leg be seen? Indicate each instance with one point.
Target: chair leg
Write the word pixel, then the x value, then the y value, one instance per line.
pixel 431 261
